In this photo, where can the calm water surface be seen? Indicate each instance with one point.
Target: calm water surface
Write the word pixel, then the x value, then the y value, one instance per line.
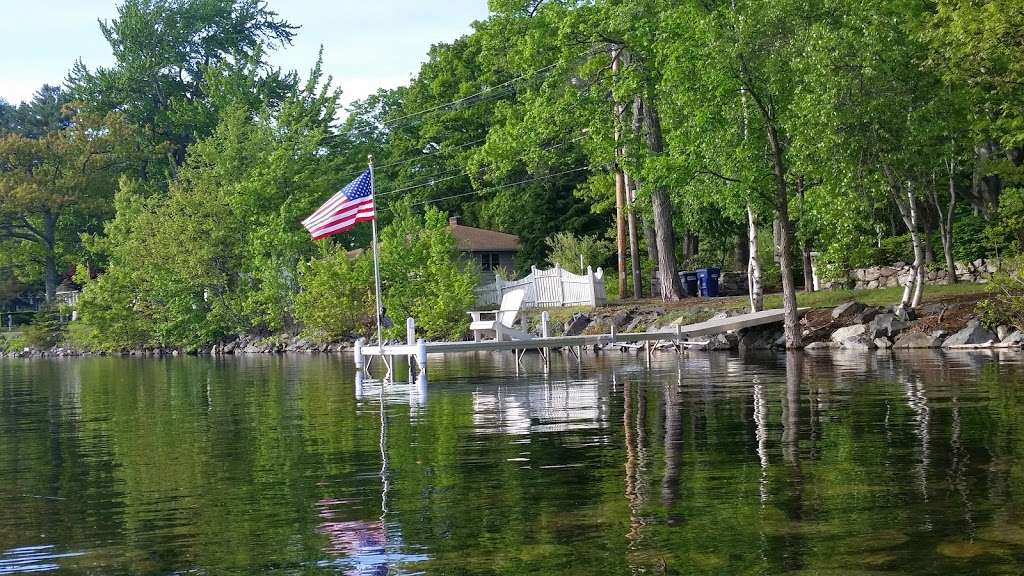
pixel 709 464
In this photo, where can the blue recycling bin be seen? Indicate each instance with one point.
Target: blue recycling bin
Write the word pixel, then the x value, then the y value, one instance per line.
pixel 689 283
pixel 707 281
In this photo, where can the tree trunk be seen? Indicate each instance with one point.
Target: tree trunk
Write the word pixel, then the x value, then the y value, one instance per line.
pixel 620 185
pixel 905 202
pixel 754 264
pixel 50 258
pixel 946 223
pixel 741 258
pixel 808 266
pixel 634 241
pixel 668 269
pixel 620 229
pixel 805 246
pixel 919 252
pixel 791 317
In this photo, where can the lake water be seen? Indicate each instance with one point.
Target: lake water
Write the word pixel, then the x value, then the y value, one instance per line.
pixel 705 464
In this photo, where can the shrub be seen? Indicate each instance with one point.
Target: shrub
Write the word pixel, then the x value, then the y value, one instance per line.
pixel 1005 233
pixel 970 240
pixel 422 276
pixel 1005 305
pixel 565 249
pixel 46 329
pixel 336 295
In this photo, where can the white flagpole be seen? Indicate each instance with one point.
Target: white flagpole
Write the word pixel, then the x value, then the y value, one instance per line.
pixel 376 258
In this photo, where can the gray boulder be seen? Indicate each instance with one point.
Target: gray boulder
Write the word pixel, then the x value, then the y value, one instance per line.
pixel 1002 331
pixel 845 312
pixel 853 337
pixel 883 343
pixel 886 326
pixel 723 342
pixel 916 339
pixel 848 333
pixel 761 338
pixel 577 325
pixel 820 345
pixel 973 333
pixel 867 315
pixel 1014 339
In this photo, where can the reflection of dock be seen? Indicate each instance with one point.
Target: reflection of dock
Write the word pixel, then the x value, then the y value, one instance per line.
pixel 677 335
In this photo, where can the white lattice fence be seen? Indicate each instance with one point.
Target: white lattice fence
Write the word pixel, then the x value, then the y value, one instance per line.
pixel 548 289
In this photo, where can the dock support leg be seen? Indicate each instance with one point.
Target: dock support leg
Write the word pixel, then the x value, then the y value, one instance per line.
pixel 545 332
pixel 421 355
pixel 358 358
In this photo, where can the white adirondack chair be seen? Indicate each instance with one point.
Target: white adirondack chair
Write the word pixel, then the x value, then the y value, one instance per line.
pixel 500 323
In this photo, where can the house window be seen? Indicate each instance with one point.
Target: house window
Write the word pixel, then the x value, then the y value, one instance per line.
pixel 489 261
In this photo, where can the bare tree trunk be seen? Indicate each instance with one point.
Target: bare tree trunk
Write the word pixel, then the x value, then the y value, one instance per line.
pixel 741 258
pixel 754 264
pixel 906 203
pixel 791 316
pixel 919 255
pixel 946 221
pixel 620 230
pixel 620 185
pixel 634 242
pixel 805 246
pixel 808 266
pixel 49 238
pixel 668 269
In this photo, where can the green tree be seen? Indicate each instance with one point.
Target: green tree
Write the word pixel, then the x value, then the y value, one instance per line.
pixel 59 184
pixel 422 276
pixel 163 53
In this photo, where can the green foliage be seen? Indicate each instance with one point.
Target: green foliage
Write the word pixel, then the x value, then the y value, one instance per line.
pixel 1005 232
pixel 166 84
pixel 1005 304
pixel 46 329
pixel 971 238
pixel 566 249
pixel 335 299
pixel 217 255
pixel 421 275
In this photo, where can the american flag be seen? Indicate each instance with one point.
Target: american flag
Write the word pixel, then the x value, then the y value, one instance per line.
pixel 351 205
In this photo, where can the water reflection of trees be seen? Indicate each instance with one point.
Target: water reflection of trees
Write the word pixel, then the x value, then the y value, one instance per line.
pixel 707 464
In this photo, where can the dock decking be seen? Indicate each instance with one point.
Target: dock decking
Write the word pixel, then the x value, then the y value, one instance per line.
pixel 677 334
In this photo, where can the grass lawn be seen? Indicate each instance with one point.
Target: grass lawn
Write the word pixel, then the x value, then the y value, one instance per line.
pixel 877 296
pixel 690 310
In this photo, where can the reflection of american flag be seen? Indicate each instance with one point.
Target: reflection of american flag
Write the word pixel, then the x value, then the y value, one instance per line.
pixel 351 205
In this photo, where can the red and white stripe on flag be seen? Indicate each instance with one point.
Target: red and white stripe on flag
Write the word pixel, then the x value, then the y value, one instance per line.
pixel 349 206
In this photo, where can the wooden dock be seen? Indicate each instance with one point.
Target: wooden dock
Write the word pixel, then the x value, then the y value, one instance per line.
pixel 678 335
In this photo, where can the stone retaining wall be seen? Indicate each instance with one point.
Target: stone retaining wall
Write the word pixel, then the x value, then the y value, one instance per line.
pixel 900 273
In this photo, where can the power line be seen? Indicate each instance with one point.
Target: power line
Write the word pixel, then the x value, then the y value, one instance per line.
pixel 391 123
pixel 432 180
pixel 503 186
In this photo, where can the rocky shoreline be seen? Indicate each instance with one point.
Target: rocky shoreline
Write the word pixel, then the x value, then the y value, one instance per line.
pixel 248 344
pixel 849 326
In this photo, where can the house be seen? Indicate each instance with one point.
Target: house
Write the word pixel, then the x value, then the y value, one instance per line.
pixel 488 248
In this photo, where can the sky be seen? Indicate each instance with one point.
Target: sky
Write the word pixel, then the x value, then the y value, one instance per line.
pixel 368 44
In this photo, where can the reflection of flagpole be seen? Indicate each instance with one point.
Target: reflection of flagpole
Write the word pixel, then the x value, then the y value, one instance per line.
pixel 376 256
pixel 384 471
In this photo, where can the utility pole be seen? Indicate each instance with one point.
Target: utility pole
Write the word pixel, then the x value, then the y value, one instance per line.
pixel 620 187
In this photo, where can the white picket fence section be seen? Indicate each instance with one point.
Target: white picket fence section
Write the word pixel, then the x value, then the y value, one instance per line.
pixel 548 289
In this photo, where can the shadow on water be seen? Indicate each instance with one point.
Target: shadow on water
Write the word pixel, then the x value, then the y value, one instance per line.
pixel 824 463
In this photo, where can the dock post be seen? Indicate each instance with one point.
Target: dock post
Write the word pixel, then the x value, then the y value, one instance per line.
pixel 410 331
pixel 545 332
pixel 679 338
pixel 359 355
pixel 421 355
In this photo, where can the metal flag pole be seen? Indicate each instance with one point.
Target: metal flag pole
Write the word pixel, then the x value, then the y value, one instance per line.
pixel 376 259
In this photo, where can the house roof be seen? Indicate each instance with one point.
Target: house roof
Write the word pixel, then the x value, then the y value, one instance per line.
pixel 469 239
